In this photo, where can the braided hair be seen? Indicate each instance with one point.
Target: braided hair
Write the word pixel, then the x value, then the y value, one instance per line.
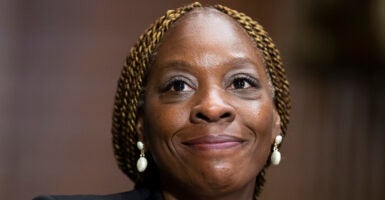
pixel 129 92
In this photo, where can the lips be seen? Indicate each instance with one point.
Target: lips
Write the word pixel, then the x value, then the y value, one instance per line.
pixel 214 142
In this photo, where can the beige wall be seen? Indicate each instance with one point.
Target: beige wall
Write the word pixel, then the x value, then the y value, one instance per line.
pixel 59 64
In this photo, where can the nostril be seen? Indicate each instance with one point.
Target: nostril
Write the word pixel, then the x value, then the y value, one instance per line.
pixel 202 116
pixel 225 115
pixel 208 118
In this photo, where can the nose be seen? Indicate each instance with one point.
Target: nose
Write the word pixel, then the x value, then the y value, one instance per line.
pixel 212 107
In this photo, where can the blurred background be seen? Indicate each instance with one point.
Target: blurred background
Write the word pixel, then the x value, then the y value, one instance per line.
pixel 60 61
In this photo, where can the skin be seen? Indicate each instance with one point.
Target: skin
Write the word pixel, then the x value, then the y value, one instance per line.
pixel 208 117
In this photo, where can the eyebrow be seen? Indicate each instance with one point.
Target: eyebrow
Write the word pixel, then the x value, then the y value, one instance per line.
pixel 237 62
pixel 180 64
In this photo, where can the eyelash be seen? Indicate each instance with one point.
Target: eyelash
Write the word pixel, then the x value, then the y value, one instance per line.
pixel 251 81
pixel 170 84
pixel 177 80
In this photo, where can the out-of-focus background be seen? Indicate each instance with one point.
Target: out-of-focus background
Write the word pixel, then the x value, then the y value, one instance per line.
pixel 60 61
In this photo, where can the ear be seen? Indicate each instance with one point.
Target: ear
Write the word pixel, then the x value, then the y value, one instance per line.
pixel 140 127
pixel 276 125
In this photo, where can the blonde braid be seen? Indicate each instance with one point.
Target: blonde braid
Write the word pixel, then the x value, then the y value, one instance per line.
pixel 130 86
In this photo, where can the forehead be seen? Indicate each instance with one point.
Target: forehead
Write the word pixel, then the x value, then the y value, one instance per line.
pixel 207 28
pixel 207 22
pixel 206 39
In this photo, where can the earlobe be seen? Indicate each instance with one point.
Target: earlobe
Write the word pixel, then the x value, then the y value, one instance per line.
pixel 275 157
pixel 276 126
pixel 139 127
pixel 142 162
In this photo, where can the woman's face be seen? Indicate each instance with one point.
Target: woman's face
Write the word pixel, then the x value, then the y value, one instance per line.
pixel 208 117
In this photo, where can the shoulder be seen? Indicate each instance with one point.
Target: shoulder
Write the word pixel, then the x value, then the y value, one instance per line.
pixel 140 194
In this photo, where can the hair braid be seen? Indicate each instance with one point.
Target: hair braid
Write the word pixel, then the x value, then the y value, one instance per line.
pixel 131 82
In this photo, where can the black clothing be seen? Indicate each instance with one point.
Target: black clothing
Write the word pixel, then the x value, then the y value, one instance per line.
pixel 139 194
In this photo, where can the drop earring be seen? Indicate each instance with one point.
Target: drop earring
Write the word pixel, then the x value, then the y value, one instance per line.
pixel 276 155
pixel 141 165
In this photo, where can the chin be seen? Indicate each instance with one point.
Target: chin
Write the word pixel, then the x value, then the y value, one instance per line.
pixel 220 177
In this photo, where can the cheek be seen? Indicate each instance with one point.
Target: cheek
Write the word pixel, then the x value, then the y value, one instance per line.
pixel 261 124
pixel 161 123
pixel 259 118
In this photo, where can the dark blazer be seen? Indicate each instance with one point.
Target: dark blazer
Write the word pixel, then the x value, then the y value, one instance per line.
pixel 140 194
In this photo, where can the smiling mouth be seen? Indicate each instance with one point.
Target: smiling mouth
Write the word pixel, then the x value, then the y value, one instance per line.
pixel 214 142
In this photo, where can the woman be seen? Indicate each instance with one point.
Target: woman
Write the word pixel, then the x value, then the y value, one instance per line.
pixel 201 107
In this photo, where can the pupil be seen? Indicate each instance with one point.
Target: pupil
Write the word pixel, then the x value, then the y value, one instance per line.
pixel 178 85
pixel 239 84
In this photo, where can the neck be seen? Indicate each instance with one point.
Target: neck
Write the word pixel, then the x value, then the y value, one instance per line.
pixel 177 193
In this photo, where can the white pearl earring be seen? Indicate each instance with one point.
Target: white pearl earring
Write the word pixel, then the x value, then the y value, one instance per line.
pixel 141 165
pixel 276 155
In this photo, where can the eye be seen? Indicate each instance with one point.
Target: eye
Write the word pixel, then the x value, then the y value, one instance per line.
pixel 178 86
pixel 243 83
